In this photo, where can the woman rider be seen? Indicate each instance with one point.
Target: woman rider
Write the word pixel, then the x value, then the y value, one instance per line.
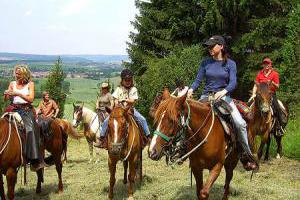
pixel 104 101
pixel 269 75
pixel 21 92
pixel 220 74
pixel 127 93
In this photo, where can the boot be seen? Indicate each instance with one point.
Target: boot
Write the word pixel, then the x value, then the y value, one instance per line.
pixel 36 165
pixel 249 162
pixel 99 142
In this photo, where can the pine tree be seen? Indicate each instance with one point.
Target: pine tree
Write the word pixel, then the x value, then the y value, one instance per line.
pixel 54 85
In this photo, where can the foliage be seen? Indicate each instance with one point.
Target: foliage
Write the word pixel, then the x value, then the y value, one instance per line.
pixel 181 65
pixel 290 67
pixel 4 82
pixel 54 85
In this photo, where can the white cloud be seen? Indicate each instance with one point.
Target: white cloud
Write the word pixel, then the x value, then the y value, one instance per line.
pixel 74 7
pixel 28 12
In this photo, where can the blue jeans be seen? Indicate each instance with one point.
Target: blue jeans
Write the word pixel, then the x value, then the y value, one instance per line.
pixel 137 116
pixel 239 122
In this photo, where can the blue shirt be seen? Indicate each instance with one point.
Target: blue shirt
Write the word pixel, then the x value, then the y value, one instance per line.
pixel 217 75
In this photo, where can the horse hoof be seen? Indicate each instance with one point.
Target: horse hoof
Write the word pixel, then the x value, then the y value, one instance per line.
pixel 130 198
pixel 203 195
pixel 38 190
pixel 278 156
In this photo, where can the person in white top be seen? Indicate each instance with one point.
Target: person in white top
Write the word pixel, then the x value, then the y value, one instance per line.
pixel 21 93
pixel 126 93
pixel 180 89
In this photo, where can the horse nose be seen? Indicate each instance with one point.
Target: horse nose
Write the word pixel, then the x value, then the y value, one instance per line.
pixel 153 154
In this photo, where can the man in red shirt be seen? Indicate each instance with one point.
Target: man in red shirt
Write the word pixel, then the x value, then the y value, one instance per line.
pixel 271 76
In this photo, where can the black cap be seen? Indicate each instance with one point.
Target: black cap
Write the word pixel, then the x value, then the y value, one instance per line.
pixel 126 73
pixel 216 39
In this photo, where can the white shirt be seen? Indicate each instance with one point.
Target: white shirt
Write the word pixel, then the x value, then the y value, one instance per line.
pixel 24 91
pixel 121 93
pixel 180 92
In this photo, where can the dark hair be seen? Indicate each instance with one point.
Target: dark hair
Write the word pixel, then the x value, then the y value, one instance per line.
pixel 178 82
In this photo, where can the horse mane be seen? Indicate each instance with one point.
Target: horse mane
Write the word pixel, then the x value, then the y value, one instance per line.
pixel 170 107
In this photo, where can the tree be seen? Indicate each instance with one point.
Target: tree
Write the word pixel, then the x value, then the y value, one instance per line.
pixel 54 85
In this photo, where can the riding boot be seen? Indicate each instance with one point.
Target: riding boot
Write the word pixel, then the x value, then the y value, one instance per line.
pixel 100 142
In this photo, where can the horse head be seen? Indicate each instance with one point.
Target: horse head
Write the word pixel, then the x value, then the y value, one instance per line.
pixel 77 114
pixel 167 118
pixel 263 99
pixel 118 129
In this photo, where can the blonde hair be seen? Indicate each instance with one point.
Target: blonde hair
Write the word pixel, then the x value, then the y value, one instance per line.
pixel 25 72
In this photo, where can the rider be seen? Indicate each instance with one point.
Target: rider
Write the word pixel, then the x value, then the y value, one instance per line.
pixel 21 92
pixel 47 107
pixel 127 93
pixel 104 101
pixel 269 75
pixel 220 74
pixel 180 88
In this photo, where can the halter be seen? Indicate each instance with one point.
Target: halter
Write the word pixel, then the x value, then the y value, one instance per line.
pixel 181 132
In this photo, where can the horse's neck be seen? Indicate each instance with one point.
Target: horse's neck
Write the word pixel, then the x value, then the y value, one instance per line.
pixel 199 113
pixel 133 132
pixel 90 118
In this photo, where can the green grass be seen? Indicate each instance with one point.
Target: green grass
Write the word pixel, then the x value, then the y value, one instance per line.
pixel 278 179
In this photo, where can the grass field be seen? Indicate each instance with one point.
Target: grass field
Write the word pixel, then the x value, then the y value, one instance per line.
pixel 278 179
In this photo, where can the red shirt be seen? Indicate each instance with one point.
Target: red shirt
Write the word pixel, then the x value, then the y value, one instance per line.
pixel 273 76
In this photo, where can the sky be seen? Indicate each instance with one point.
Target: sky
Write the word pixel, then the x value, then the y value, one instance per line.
pixel 66 26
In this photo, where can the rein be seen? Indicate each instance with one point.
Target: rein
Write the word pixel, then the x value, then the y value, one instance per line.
pixel 126 157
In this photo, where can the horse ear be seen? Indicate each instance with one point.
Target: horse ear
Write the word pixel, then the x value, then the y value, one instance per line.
pixel 81 106
pixel 74 106
pixel 166 93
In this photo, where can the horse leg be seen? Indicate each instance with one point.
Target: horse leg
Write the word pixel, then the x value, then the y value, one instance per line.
pixel 11 178
pixel 2 194
pixel 229 165
pixel 40 176
pixel 90 150
pixel 279 146
pixel 132 172
pixel 97 150
pixel 125 164
pixel 59 166
pixel 213 175
pixel 198 174
pixel 267 154
pixel 112 169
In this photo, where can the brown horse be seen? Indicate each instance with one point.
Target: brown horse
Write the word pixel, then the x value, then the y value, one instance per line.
pixel 56 144
pixel 123 144
pixel 91 126
pixel 10 156
pixel 206 140
pixel 262 123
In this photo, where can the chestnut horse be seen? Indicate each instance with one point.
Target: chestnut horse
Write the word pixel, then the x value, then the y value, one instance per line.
pixel 11 154
pixel 206 140
pixel 262 122
pixel 91 125
pixel 123 144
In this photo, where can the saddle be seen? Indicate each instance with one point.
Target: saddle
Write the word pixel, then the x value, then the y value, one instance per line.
pixel 44 125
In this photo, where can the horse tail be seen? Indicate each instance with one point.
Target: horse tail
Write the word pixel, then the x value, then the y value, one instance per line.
pixel 71 131
pixel 64 143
